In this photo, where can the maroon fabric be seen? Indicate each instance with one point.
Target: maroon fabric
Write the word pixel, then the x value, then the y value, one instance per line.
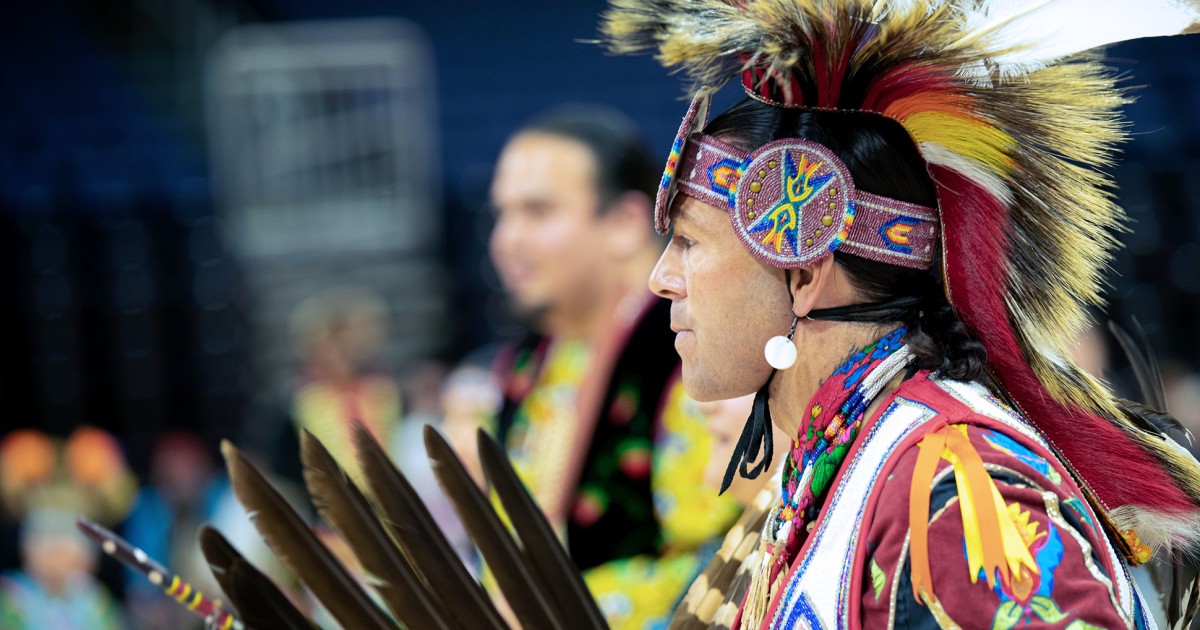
pixel 1069 545
pixel 975 240
pixel 1065 592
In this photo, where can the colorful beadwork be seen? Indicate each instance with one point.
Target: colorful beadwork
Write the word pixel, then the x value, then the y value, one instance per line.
pixel 793 201
pixel 723 178
pixel 672 163
pixel 833 420
pixel 827 432
pixel 801 185
pixel 896 234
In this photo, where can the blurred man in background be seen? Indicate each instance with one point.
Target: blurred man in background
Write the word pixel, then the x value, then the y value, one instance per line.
pixel 593 416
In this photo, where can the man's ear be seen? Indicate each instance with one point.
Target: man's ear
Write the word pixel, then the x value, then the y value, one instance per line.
pixel 628 221
pixel 811 285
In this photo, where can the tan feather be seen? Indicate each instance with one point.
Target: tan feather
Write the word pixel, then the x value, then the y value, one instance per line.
pixel 724 582
pixel 344 507
pixel 256 598
pixel 298 548
pixel 411 524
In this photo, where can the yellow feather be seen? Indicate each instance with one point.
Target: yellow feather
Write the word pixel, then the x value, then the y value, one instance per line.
pixel 975 140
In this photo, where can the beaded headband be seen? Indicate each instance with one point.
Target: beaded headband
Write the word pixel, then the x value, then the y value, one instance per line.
pixel 792 202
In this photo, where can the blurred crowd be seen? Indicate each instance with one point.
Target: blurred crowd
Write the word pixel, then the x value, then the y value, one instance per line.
pixel 589 405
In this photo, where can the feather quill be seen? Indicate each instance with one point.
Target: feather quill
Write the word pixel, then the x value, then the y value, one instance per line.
pixel 546 555
pixel 410 523
pixel 344 507
pixel 298 548
pixel 506 561
pixel 178 589
pixel 1152 416
pixel 256 598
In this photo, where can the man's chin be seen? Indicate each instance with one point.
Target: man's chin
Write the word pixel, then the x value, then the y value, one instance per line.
pixel 705 387
pixel 698 386
pixel 532 313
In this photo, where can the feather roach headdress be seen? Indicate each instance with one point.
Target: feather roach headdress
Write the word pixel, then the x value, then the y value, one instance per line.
pixel 1017 124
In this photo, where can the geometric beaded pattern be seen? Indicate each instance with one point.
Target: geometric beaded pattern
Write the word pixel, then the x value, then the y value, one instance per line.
pixel 792 202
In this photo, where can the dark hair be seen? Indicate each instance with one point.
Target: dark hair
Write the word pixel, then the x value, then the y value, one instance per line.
pixel 884 160
pixel 623 163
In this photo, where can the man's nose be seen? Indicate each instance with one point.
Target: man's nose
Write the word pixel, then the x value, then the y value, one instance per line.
pixel 666 280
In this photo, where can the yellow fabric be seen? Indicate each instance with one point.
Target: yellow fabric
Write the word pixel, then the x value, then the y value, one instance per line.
pixel 540 448
pixel 690 512
pixel 326 411
pixel 641 592
pixel 638 592
pixel 1021 582
pixel 966 504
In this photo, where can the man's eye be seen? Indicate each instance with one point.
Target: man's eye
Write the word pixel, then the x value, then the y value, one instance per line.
pixel 539 210
pixel 684 241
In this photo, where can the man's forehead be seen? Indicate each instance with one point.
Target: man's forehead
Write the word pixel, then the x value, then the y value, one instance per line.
pixel 543 164
pixel 693 212
pixel 682 209
pixel 531 150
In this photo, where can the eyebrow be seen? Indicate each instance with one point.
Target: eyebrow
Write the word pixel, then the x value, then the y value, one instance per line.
pixel 680 211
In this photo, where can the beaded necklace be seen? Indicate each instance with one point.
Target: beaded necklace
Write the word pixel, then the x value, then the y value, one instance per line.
pixel 832 422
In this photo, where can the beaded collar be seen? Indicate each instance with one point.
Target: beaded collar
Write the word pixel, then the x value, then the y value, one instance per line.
pixel 832 422
pixel 833 419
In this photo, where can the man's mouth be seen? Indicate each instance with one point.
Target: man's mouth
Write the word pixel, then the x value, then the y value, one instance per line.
pixel 514 277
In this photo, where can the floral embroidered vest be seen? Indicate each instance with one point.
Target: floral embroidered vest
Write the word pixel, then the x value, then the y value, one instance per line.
pixel 830 579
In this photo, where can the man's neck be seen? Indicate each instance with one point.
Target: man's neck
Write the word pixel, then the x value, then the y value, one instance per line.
pixel 823 347
pixel 584 322
pixel 613 308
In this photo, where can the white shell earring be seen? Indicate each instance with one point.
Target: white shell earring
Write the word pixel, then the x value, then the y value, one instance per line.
pixel 780 351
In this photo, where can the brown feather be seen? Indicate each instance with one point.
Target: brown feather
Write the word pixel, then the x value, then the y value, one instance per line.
pixel 259 603
pixel 721 587
pixel 546 555
pixel 344 507
pixel 410 523
pixel 1176 576
pixel 504 558
pixel 298 548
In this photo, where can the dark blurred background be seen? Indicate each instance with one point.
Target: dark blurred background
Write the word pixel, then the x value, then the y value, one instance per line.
pixel 177 176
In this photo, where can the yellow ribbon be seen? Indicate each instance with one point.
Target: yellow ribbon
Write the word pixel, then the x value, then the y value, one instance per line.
pixel 990 528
